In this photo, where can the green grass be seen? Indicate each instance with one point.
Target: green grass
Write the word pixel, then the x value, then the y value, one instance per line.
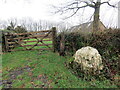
pixel 45 63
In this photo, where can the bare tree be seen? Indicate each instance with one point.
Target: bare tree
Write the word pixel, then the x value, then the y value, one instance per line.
pixel 3 24
pixel 76 5
pixel 12 22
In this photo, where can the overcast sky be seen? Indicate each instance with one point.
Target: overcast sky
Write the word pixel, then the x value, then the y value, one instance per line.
pixel 41 9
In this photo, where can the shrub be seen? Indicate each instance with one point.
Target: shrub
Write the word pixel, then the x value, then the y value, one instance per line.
pixel 107 43
pixel 73 42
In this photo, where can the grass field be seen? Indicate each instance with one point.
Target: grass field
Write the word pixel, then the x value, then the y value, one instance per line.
pixel 42 69
pixel 36 69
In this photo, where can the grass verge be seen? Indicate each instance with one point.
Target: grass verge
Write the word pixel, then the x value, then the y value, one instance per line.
pixel 43 69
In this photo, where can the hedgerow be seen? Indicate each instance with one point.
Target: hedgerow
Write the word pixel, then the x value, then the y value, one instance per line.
pixel 107 43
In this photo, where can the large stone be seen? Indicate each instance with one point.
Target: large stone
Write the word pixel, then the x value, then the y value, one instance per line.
pixel 88 59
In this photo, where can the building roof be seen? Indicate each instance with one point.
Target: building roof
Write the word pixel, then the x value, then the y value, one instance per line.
pixel 86 27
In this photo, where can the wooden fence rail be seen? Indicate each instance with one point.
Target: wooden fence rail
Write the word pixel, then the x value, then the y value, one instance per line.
pixel 45 38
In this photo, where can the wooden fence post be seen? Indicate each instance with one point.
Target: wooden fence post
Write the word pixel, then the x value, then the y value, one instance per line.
pixel 6 44
pixel 1 42
pixel 54 35
pixel 62 44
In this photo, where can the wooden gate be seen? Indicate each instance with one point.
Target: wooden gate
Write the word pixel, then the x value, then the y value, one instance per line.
pixel 40 40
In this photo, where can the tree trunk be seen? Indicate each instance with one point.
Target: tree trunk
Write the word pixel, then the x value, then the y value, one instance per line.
pixel 96 16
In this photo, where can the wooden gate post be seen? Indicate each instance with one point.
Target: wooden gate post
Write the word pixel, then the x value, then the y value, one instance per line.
pixel 6 44
pixel 62 44
pixel 54 35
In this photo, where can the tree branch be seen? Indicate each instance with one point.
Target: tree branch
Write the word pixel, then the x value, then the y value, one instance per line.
pixel 90 5
pixel 72 4
pixel 77 4
pixel 108 4
pixel 65 9
pixel 73 13
pixel 77 8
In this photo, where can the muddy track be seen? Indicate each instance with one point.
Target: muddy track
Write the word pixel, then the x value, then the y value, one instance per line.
pixel 15 73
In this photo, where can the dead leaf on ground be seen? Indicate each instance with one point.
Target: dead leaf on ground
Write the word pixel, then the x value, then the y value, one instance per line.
pixel 40 76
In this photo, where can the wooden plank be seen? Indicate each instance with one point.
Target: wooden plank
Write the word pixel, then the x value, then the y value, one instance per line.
pixel 11 42
pixel 32 49
pixel 35 41
pixel 37 36
pixel 36 45
pixel 31 32
pixel 11 46
pixel 46 40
